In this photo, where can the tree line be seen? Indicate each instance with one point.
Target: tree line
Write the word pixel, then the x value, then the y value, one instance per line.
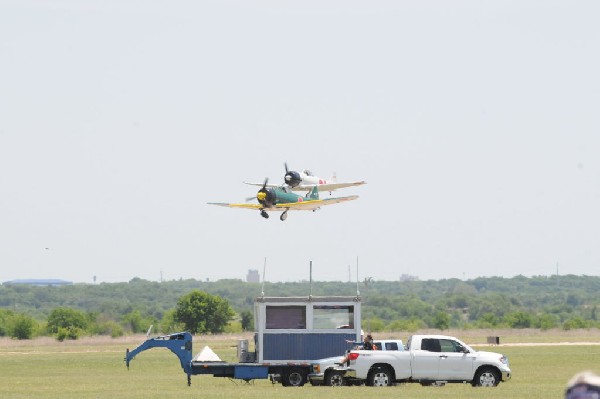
pixel 567 302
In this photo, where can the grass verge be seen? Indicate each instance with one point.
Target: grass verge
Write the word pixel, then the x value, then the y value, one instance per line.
pixel 95 369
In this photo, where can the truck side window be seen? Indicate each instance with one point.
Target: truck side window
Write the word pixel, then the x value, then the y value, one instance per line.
pixel 448 345
pixel 431 345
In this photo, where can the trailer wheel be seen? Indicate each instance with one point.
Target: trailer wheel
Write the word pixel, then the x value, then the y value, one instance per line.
pixel 293 378
pixel 334 378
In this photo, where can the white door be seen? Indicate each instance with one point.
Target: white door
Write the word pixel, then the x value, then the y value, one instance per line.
pixel 426 361
pixel 454 364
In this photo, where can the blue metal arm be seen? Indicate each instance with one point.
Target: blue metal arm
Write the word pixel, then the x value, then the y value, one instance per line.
pixel 179 343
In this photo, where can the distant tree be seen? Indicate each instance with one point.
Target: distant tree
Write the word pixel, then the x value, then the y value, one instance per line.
pixel 168 324
pixel 233 327
pixel 485 302
pixel 487 320
pixel 6 320
pixel 23 327
pixel 575 322
pixel 546 321
pixel 573 299
pixel 136 322
pixel 68 333
pixel 410 325
pixel 102 325
pixel 441 321
pixel 518 320
pixel 374 324
pixel 68 319
pixel 247 320
pixel 201 312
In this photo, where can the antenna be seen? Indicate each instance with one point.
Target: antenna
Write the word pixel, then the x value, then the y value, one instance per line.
pixel 262 293
pixel 357 290
pixel 310 296
pixel 557 277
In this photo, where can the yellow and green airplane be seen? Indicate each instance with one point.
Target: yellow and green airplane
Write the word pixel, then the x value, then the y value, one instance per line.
pixel 281 199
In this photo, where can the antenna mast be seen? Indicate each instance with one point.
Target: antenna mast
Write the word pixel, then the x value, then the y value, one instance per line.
pixel 357 290
pixel 262 293
pixel 557 277
pixel 310 296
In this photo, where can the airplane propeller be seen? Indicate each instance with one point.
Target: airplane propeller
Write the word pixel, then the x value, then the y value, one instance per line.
pixel 266 196
pixel 292 178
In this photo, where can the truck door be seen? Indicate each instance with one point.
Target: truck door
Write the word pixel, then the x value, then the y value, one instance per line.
pixel 425 362
pixel 454 363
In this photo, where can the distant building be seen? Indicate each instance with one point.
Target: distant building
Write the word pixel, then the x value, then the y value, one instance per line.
pixel 408 277
pixel 253 276
pixel 39 282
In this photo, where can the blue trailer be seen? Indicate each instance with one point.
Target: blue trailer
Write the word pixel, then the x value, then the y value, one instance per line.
pixel 290 334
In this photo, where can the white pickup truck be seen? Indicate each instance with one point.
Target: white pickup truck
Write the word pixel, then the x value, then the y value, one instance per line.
pixel 428 359
pixel 325 370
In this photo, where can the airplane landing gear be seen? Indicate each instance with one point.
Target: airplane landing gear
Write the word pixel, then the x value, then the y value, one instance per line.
pixel 283 216
pixel 264 214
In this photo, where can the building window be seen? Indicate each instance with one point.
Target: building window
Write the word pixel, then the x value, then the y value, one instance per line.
pixel 286 317
pixel 332 317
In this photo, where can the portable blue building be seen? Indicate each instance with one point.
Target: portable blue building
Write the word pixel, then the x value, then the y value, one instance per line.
pixel 305 328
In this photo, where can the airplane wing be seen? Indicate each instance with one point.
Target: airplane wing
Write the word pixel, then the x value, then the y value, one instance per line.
pixel 308 187
pixel 293 206
pixel 246 206
pixel 311 205
pixel 328 186
pixel 331 201
pixel 261 184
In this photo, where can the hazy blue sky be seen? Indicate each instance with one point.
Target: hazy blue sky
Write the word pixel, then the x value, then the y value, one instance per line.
pixel 475 123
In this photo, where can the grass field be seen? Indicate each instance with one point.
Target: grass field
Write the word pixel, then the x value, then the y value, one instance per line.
pixel 94 368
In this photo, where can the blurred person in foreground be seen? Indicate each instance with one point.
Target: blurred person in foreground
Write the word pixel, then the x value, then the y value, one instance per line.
pixel 584 385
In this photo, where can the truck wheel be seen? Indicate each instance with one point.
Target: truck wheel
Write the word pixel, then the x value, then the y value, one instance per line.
pixel 334 378
pixel 486 377
pixel 293 378
pixel 380 377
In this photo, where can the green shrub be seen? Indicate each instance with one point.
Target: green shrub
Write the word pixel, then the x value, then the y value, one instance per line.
pixel 67 318
pixel 136 323
pixel 72 333
pixel 23 327
pixel 108 327
pixel 576 322
pixel 410 325
pixel 233 326
pixel 373 325
pixel 6 321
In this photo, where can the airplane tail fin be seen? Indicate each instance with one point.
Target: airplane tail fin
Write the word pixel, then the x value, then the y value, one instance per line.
pixel 313 194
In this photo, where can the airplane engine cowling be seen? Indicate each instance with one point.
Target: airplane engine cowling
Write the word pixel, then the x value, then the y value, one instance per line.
pixel 292 178
pixel 266 197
